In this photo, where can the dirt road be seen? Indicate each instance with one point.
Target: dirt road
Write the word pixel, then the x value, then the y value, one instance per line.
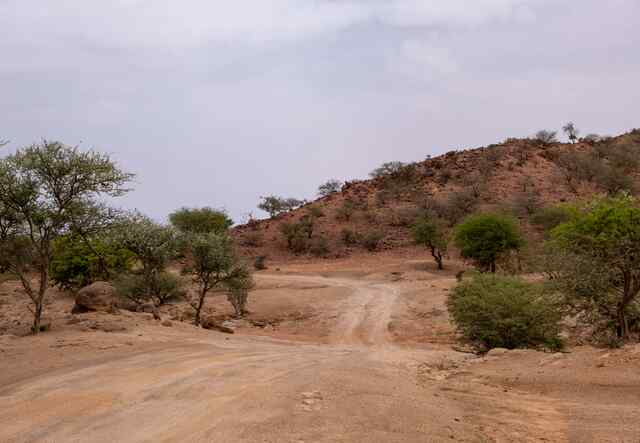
pixel 199 386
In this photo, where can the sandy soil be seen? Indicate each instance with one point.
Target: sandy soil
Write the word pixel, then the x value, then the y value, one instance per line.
pixel 348 355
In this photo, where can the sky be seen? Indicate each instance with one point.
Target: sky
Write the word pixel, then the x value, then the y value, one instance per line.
pixel 217 103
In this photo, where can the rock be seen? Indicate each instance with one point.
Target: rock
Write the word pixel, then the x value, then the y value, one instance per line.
pixel 495 352
pixel 167 323
pixel 98 296
pixel 259 323
pixel 211 323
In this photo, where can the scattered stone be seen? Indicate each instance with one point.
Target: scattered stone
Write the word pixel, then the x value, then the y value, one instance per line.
pixel 167 323
pixel 149 308
pixel 211 323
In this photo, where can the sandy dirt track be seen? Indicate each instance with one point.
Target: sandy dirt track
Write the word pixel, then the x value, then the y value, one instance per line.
pixel 189 385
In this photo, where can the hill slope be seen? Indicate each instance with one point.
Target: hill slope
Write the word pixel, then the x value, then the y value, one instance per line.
pixel 519 176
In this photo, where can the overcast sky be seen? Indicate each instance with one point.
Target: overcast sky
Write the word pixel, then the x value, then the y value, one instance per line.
pixel 219 102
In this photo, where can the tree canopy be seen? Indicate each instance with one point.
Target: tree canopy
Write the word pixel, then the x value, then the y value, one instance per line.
pixel 483 238
pixel 45 191
pixel 600 265
pixel 200 220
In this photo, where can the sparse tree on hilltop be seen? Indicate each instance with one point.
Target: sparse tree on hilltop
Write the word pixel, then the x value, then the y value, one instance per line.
pixel 330 187
pixel 546 137
pixel 387 169
pixel 571 131
pixel 275 205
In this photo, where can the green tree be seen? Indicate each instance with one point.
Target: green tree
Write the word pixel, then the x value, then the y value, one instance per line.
pixel 44 190
pixel 431 234
pixel 600 269
pixel 215 266
pixel 546 137
pixel 200 220
pixel 153 245
pixel 571 131
pixel 496 311
pixel 330 187
pixel 387 169
pixel 77 263
pixel 483 238
pixel 275 205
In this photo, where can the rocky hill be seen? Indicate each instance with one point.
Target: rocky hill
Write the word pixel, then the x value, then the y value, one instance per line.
pixel 520 176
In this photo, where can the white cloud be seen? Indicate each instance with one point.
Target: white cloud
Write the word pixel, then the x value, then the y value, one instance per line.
pixel 173 24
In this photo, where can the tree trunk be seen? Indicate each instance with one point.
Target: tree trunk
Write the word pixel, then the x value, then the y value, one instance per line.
pixel 493 267
pixel 437 256
pixel 37 318
pixel 623 327
pixel 198 308
pixel 38 301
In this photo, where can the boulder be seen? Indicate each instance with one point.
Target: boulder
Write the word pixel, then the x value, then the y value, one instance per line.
pixel 98 296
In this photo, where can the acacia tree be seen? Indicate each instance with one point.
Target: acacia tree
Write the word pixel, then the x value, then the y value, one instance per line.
pixel 571 131
pixel 215 265
pixel 429 233
pixel 43 190
pixel 275 205
pixel 485 237
pixel 200 220
pixel 546 137
pixel 153 245
pixel 330 187
pixel 599 269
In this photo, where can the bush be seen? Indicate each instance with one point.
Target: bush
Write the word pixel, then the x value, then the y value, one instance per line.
pixel 161 288
pixel 315 212
pixel 297 236
pixel 372 240
pixel 494 311
pixel 485 237
pixel 76 264
pixel 260 262
pixel 319 246
pixel 200 220
pixel 550 217
pixel 349 237
pixel 403 217
pixel 345 212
